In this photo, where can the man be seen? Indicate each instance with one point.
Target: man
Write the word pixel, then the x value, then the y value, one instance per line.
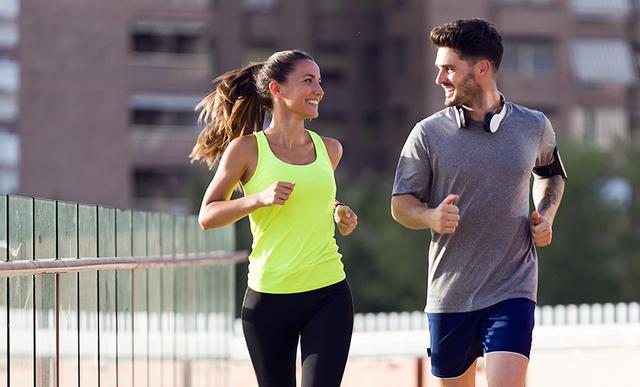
pixel 464 172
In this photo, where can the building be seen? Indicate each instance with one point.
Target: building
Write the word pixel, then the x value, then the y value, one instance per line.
pixel 106 98
pixel 9 89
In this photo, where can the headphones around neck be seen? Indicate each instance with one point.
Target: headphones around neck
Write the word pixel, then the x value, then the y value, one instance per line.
pixel 491 120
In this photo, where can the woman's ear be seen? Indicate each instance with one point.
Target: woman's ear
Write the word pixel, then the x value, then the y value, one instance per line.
pixel 274 88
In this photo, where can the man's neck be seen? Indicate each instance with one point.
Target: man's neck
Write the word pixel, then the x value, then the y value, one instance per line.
pixel 489 101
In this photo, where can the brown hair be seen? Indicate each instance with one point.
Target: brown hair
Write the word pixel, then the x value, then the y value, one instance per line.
pixel 472 39
pixel 239 103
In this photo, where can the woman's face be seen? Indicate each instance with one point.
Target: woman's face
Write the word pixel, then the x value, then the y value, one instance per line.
pixel 301 93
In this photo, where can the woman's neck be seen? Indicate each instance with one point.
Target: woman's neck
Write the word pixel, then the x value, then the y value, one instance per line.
pixel 286 130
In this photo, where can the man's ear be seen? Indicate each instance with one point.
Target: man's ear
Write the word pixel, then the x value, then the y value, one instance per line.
pixel 274 88
pixel 483 68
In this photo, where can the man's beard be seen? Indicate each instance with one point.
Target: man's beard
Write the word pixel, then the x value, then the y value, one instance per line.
pixel 466 93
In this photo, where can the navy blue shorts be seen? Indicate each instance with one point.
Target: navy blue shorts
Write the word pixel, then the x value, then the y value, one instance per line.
pixel 458 339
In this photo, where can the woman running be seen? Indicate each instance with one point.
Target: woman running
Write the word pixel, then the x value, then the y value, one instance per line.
pixel 296 284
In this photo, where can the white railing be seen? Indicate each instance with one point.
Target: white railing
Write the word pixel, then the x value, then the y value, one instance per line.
pixel 557 327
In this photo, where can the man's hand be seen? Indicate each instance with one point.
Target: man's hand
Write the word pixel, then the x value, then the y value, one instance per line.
pixel 444 219
pixel 541 230
pixel 345 218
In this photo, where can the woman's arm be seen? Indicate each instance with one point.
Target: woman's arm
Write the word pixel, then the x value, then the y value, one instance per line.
pixel 217 209
pixel 344 217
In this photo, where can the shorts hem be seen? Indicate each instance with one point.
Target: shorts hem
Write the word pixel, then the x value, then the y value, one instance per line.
pixel 510 352
pixel 458 376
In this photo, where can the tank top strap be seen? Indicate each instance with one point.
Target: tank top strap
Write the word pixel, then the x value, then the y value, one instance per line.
pixel 321 149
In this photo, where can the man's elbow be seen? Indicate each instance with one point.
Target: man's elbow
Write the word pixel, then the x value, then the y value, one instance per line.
pixel 395 210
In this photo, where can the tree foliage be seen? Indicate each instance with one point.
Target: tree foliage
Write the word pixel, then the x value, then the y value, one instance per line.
pixel 594 257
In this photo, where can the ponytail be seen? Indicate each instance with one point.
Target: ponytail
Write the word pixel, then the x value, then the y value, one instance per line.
pixel 235 108
pixel 239 103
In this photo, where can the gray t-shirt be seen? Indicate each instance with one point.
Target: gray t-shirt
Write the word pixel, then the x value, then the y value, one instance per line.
pixel 491 256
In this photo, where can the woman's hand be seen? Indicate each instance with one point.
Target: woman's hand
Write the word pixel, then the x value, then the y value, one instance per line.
pixel 277 193
pixel 345 219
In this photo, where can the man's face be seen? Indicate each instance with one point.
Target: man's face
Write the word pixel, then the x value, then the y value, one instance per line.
pixel 456 77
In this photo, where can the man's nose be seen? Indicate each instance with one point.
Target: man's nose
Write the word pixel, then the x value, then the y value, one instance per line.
pixel 439 77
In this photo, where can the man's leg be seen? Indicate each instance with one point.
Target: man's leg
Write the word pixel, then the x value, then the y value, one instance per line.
pixel 504 369
pixel 507 333
pixel 455 346
pixel 468 379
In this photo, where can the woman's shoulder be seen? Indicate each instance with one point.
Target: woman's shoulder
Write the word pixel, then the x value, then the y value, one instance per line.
pixel 243 147
pixel 244 143
pixel 334 149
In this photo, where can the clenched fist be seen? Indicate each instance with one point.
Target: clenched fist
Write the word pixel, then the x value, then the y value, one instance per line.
pixel 444 219
pixel 345 218
pixel 541 229
pixel 277 193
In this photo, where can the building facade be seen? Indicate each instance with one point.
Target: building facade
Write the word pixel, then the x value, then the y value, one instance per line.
pixel 106 98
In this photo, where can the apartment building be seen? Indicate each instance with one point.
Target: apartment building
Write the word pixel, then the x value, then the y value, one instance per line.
pixel 9 87
pixel 106 97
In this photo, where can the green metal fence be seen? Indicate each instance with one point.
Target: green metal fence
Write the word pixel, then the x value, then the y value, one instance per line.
pixel 94 296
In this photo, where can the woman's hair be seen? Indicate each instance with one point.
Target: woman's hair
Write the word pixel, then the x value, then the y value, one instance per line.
pixel 472 39
pixel 239 103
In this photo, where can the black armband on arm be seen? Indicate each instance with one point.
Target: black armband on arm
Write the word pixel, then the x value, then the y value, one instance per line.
pixel 555 168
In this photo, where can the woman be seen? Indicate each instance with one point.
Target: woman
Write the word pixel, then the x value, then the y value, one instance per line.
pixel 296 283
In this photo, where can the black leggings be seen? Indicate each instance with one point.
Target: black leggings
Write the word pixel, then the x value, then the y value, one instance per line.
pixel 322 319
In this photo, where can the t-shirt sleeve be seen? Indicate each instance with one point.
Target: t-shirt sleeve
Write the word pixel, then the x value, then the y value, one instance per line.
pixel 413 173
pixel 547 144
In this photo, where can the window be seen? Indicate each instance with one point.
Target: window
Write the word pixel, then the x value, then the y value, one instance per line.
pixel 370 5
pixel 8 108
pixel 153 110
pixel 9 9
pixel 529 57
pixel 607 8
pixel 399 51
pixel 8 34
pixel 331 5
pixel 9 76
pixel 160 182
pixel 259 5
pixel 9 161
pixel 371 59
pixel 520 2
pixel 604 127
pixel 333 63
pixel 173 38
pixel 258 54
pixel 608 61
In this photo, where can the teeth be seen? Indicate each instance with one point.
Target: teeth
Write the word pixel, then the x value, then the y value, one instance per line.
pixel 312 101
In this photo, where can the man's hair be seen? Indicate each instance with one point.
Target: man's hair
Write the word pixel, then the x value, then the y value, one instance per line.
pixel 472 39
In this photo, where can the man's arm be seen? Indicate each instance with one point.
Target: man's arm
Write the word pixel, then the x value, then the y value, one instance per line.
pixel 412 213
pixel 547 194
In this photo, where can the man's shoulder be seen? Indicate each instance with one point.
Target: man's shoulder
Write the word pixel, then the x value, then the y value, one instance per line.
pixel 526 113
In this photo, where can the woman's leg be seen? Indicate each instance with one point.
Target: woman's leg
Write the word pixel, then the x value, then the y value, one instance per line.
pixel 271 334
pixel 326 337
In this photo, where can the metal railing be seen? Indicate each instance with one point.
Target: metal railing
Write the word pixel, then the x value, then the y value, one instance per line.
pixel 94 296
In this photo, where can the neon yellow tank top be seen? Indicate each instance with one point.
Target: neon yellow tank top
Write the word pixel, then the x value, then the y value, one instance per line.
pixel 294 248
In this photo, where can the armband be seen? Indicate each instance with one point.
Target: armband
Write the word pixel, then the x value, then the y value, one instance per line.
pixel 555 168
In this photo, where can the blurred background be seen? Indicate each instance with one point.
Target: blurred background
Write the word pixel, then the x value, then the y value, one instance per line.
pixel 97 97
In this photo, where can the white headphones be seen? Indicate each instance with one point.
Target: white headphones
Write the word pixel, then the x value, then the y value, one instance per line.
pixel 491 120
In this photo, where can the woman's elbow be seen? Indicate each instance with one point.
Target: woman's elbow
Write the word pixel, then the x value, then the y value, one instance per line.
pixel 202 222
